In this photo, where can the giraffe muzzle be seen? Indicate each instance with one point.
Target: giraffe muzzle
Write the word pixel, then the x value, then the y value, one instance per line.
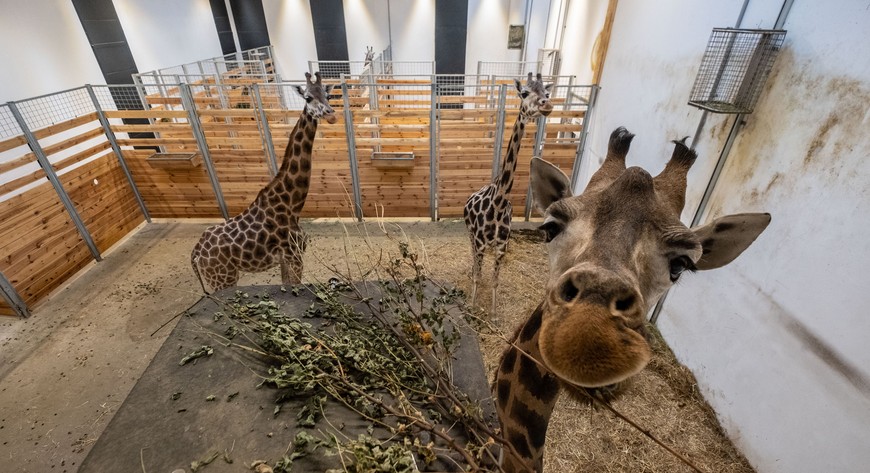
pixel 587 345
pixel 330 118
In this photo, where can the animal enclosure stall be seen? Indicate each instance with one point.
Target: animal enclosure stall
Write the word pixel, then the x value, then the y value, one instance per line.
pixel 200 141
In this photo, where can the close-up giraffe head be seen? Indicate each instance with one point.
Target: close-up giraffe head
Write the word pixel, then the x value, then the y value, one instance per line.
pixel 613 251
pixel 316 97
pixel 535 96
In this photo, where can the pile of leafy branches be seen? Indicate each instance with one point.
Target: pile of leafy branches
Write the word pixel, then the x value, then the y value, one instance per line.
pixel 387 358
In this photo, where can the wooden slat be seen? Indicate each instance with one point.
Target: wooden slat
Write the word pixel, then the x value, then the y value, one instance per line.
pixel 73 141
pixel 146 114
pixel 64 126
pixel 17 162
pixel 13 142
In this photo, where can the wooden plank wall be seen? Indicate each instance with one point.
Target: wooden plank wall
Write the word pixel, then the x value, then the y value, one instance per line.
pixel 40 247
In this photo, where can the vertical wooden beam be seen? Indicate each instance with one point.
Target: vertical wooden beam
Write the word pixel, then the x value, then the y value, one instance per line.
pixel 599 51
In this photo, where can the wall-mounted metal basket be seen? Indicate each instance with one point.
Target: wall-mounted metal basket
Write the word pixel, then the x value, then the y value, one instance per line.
pixel 734 69
pixel 388 161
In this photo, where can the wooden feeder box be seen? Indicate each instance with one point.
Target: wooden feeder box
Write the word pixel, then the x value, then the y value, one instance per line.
pixel 174 160
pixel 388 161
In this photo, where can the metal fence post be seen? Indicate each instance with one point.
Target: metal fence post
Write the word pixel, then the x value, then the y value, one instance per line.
pixel 351 153
pixel 433 153
pixel 13 298
pixel 538 151
pixel 110 135
pixel 52 177
pixel 189 105
pixel 499 130
pixel 265 131
pixel 581 145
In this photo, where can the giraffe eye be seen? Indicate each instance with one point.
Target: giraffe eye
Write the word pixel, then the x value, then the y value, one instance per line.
pixel 679 265
pixel 551 230
pixel 524 94
pixel 309 99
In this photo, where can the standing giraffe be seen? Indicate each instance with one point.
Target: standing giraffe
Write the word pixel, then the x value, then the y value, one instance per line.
pixel 613 251
pixel 488 211
pixel 268 232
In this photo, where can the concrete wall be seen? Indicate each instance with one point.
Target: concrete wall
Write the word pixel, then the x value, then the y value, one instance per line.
pixel 164 33
pixel 44 50
pixel 777 339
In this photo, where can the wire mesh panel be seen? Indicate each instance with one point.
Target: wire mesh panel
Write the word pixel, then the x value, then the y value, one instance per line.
pixel 8 125
pixel 734 68
pixel 507 68
pixel 335 69
pixel 45 110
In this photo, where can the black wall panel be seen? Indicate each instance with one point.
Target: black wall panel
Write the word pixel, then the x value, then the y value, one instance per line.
pixel 250 23
pixel 222 23
pixel 330 35
pixel 451 31
pixel 103 29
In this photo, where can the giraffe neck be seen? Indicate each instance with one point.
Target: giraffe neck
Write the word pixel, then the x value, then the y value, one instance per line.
pixel 294 175
pixel 509 165
pixel 526 394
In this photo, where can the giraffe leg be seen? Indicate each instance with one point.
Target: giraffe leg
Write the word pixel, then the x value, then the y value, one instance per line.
pixel 291 264
pixel 500 250
pixel 476 266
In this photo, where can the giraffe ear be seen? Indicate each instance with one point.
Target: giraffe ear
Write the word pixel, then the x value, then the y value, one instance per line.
pixel 519 86
pixel 725 238
pixel 549 87
pixel 548 184
pixel 299 90
pixel 328 89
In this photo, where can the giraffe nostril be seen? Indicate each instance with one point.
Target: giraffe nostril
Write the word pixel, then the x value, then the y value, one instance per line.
pixel 624 303
pixel 569 291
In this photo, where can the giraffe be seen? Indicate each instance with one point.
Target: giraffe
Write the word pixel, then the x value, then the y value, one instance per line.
pixel 613 251
pixel 488 211
pixel 268 232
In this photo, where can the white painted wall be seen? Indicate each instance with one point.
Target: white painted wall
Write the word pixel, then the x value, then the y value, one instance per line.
pixel 164 33
pixel 367 24
pixel 572 26
pixel 488 26
pixel 777 339
pixel 44 49
pixel 413 25
pixel 292 35
pixel 584 22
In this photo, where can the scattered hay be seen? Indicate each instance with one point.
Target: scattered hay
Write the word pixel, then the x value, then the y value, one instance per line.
pixel 663 399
